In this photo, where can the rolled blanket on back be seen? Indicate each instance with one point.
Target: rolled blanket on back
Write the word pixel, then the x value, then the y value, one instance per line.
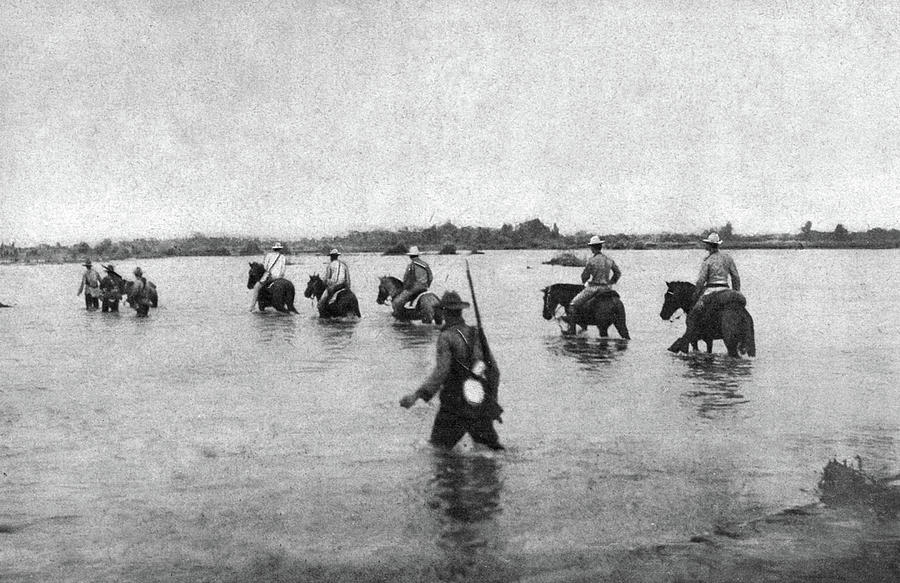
pixel 725 297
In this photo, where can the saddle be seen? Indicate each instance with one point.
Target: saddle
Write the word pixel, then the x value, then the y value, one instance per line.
pixel 335 295
pixel 413 303
pixel 607 294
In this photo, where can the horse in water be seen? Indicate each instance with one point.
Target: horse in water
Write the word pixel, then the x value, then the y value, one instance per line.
pixel 152 295
pixel 603 310
pixel 111 295
pixel 725 317
pixel 426 307
pixel 342 303
pixel 279 293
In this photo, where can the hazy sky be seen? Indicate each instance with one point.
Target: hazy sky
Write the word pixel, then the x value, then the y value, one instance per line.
pixel 156 119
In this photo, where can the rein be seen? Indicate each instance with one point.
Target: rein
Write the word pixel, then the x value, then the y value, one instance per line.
pixel 557 317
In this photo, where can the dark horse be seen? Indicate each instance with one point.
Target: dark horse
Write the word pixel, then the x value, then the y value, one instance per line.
pixel 343 304
pixel 602 311
pixel 279 294
pixel 725 317
pixel 124 287
pixel 428 306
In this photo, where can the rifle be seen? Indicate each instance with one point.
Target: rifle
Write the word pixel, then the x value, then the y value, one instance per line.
pixel 491 372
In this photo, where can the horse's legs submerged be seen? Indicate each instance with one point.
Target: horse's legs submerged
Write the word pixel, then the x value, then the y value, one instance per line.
pixel 733 331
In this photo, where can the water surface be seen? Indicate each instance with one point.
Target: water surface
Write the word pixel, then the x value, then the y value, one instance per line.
pixel 209 443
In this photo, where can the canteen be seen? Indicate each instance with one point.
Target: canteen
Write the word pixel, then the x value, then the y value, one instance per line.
pixel 473 390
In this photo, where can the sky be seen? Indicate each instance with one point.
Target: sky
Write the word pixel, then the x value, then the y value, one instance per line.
pixel 126 119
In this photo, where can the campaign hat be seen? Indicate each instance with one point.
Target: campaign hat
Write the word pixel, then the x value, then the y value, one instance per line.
pixel 451 301
pixel 595 240
pixel 413 251
pixel 712 239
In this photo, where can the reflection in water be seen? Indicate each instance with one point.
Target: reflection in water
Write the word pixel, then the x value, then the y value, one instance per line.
pixel 274 327
pixel 591 353
pixel 414 335
pixel 335 335
pixel 718 379
pixel 466 498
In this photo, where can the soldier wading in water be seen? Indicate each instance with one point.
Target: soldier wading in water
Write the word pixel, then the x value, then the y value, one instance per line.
pixel 460 360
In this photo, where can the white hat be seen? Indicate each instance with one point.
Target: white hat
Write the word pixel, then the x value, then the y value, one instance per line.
pixel 334 252
pixel 277 246
pixel 595 240
pixel 713 239
pixel 414 250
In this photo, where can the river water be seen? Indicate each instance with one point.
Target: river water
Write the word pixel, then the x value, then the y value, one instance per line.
pixel 207 443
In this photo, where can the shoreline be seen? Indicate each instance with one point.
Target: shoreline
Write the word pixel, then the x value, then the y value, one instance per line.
pixel 763 245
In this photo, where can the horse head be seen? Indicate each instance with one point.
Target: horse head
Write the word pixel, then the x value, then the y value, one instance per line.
pixel 679 294
pixel 119 282
pixel 256 273
pixel 314 287
pixel 386 289
pixel 550 304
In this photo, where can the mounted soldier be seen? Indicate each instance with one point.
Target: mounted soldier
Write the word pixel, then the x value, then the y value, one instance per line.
pixel 715 271
pixel 416 279
pixel 337 277
pixel 274 264
pixel 596 279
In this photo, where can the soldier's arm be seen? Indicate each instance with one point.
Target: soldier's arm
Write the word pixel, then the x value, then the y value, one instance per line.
pixel 735 278
pixel 617 273
pixel 435 380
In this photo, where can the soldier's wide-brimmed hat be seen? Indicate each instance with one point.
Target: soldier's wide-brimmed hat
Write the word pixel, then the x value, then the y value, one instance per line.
pixel 334 252
pixel 87 263
pixel 109 268
pixel 595 240
pixel 413 251
pixel 138 271
pixel 451 301
pixel 713 239
pixel 276 246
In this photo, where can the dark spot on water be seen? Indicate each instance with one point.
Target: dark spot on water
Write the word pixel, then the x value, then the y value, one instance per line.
pixel 9 528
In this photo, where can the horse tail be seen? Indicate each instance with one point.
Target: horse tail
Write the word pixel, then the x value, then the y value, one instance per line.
pixel 289 300
pixel 749 342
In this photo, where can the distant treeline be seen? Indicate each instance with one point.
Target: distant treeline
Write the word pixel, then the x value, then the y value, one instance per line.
pixel 446 238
